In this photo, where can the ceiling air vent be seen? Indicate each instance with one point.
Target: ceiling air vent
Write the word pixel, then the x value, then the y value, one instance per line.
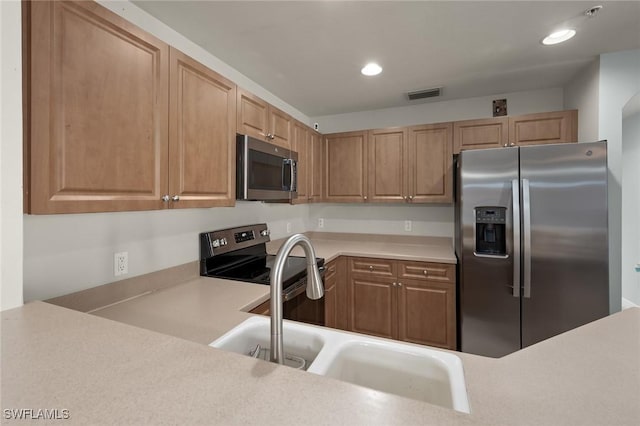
pixel 422 94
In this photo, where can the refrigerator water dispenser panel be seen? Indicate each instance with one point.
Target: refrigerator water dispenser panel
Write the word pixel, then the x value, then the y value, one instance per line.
pixel 491 231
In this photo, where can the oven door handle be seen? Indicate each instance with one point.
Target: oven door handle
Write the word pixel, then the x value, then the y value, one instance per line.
pixel 298 288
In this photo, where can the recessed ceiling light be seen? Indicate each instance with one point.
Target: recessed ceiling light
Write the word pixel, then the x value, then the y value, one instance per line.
pixel 558 37
pixel 371 69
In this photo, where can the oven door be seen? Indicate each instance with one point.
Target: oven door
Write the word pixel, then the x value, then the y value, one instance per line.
pixel 297 306
pixel 265 171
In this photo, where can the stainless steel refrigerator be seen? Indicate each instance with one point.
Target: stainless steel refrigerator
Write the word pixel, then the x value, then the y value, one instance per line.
pixel 531 242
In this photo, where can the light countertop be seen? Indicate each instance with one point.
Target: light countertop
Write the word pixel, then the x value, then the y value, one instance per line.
pixel 108 372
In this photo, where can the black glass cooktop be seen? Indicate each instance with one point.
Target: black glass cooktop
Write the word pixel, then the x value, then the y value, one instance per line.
pixel 258 269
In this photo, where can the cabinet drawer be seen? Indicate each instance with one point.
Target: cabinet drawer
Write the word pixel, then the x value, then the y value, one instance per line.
pixel 372 267
pixel 439 272
pixel 330 270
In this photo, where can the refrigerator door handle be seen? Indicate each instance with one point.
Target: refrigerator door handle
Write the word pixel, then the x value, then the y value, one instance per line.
pixel 515 193
pixel 526 217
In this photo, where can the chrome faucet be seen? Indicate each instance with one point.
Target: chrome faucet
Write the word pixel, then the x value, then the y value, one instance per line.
pixel 315 289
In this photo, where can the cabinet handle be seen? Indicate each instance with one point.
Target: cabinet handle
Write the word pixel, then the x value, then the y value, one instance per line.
pixel 371 267
pixel 506 144
pixel 513 144
pixel 425 272
pixel 175 198
pixel 410 197
pixel 365 197
pixel 166 198
pixel 399 284
pixel 394 284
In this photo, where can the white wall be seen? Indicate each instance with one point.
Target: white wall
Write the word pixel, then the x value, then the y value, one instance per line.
pixel 10 156
pixel 67 253
pixel 619 82
pixel 436 112
pixel 582 93
pixel 631 207
pixel 427 220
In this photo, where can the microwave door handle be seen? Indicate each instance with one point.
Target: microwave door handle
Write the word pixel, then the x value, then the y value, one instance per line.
pixel 294 175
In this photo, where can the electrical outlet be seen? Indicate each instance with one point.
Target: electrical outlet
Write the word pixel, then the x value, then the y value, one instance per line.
pixel 288 227
pixel 121 263
pixel 407 225
pixel 320 222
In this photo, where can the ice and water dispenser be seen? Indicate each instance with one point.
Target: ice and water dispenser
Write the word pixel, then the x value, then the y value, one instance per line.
pixel 491 231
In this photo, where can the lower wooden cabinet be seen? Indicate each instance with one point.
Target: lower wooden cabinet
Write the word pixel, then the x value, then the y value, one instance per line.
pixel 416 304
pixel 335 295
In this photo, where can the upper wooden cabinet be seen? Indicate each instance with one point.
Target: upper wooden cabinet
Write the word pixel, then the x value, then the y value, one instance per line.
pixel 430 159
pixel 300 144
pixel 263 121
pixel 404 164
pixel 544 128
pixel 316 169
pixel 522 130
pixel 119 121
pixel 477 134
pixel 388 167
pixel 97 110
pixel 202 130
pixel 345 167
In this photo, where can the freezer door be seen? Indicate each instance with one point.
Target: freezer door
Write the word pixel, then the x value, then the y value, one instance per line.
pixel 489 304
pixel 565 243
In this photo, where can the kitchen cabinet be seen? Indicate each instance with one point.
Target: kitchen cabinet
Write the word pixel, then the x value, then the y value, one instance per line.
pixel 300 144
pixel 430 160
pixel 257 118
pixel 530 129
pixel 117 120
pixel 403 300
pixel 336 297
pixel 404 164
pixel 479 134
pixel 202 131
pixel 345 167
pixel 97 110
pixel 315 166
pixel 388 167
pixel 427 296
pixel 262 309
pixel 544 128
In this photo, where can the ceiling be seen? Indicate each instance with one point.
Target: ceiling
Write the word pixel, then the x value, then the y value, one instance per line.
pixel 309 53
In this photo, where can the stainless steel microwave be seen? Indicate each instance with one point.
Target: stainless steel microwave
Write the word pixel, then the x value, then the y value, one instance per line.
pixel 264 171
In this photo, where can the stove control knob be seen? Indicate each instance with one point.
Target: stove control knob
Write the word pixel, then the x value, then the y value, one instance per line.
pixel 223 241
pixel 215 243
pixel 265 232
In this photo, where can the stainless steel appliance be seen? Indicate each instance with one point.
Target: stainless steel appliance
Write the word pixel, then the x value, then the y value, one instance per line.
pixel 264 171
pixel 532 244
pixel 240 254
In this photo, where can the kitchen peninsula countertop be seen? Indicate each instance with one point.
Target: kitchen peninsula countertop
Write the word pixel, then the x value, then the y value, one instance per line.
pixel 107 372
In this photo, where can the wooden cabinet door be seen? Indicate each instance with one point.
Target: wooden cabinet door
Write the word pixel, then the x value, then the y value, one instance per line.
pixel 388 165
pixel 202 143
pixel 252 117
pixel 300 144
pixel 426 313
pixel 315 166
pixel 483 133
pixel 345 167
pixel 544 128
pixel 98 111
pixel 373 306
pixel 430 175
pixel 280 127
pixel 330 296
pixel 342 294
